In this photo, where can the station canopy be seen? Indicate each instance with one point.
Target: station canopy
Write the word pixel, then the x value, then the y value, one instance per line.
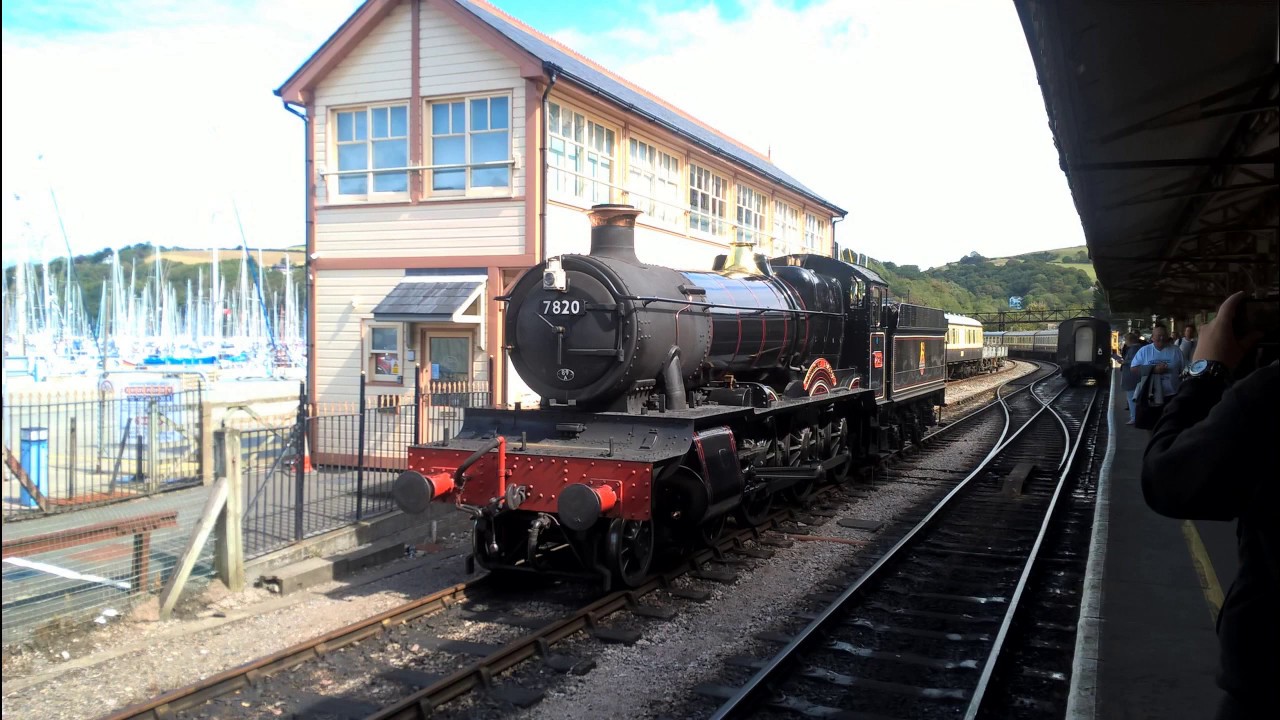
pixel 1165 118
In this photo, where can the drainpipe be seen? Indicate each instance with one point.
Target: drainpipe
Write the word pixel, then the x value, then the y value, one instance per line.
pixel 835 251
pixel 308 341
pixel 553 72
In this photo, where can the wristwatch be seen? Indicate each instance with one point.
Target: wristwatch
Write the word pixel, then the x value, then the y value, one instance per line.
pixel 1206 368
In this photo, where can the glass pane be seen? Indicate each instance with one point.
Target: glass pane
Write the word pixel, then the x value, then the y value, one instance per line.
pixel 459 112
pixel 384 339
pixel 390 153
pixel 499 113
pixel 353 157
pixel 449 180
pixel 450 358
pixel 440 119
pixel 480 114
pixel 353 185
pixel 362 126
pixel 553 117
pixel 488 147
pixel 489 177
pixel 345 126
pixel 400 121
pixel 380 122
pixel 391 182
pixel 448 151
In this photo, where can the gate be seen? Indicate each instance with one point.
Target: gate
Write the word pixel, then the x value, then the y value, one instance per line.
pixel 334 464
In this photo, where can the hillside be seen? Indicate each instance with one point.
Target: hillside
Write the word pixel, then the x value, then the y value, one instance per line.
pixel 180 267
pixel 978 284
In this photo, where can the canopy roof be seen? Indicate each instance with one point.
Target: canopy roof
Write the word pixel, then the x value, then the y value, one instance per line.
pixel 1165 118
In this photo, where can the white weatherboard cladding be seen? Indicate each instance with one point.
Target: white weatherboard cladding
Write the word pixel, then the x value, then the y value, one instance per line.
pixel 343 299
pixel 424 230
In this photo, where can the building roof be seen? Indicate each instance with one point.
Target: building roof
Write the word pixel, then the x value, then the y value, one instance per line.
pixel 427 301
pixel 1165 118
pixel 619 91
pixel 567 65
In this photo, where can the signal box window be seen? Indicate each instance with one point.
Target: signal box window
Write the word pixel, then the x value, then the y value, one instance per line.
pixel 580 157
pixel 384 361
pixel 368 140
pixel 708 204
pixel 471 138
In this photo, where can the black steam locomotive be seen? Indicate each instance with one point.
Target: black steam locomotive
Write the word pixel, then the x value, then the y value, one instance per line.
pixel 672 400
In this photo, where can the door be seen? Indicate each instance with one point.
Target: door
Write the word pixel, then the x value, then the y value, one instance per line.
pixel 447 367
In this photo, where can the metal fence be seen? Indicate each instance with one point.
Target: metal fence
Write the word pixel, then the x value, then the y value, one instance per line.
pixel 316 470
pixel 334 463
pixel 68 451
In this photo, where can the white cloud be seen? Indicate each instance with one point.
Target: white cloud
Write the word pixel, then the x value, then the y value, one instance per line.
pixel 923 119
pixel 150 133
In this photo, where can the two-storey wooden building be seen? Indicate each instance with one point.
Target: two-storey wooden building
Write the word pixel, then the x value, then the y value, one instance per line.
pixel 450 147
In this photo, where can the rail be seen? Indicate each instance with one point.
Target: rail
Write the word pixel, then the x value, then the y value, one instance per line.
pixel 752 694
pixel 480 673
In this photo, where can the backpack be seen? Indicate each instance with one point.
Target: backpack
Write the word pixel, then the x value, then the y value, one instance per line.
pixel 1148 400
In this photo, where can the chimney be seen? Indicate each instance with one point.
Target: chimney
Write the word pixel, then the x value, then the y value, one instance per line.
pixel 613 232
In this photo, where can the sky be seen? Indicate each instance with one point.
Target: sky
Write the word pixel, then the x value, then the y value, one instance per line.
pixel 155 120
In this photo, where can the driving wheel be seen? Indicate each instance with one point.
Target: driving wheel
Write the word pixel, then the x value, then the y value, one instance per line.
pixel 630 550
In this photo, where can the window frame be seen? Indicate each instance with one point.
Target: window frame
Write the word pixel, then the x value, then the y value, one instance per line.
pixel 333 174
pixel 586 186
pixel 369 364
pixel 467 167
pixel 756 233
pixel 657 175
pixel 821 235
pixel 788 234
pixel 717 226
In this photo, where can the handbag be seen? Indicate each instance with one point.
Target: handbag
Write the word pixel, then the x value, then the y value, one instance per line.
pixel 1148 403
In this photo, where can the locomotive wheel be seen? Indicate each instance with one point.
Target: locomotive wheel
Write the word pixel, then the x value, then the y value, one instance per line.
pixel 839 443
pixel 709 531
pixel 790 453
pixel 630 550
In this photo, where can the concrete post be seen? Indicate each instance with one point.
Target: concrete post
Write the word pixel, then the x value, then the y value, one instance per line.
pixel 229 548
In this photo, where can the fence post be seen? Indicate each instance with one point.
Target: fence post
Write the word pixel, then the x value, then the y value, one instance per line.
pixel 153 445
pixel 229 551
pixel 206 438
pixel 417 403
pixel 71 475
pixel 300 463
pixel 360 454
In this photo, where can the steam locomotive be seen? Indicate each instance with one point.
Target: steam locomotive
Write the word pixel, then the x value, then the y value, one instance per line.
pixel 673 400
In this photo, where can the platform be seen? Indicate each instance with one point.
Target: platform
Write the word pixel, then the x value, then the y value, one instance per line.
pixel 1147 646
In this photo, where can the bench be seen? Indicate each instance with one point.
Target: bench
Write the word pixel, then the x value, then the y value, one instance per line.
pixel 140 527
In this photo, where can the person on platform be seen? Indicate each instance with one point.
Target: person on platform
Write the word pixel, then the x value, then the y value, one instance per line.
pixel 1128 379
pixel 1187 343
pixel 1160 359
pixel 1213 456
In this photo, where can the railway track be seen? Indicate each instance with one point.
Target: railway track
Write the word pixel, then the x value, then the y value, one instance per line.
pixel 404 663
pixel 925 630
